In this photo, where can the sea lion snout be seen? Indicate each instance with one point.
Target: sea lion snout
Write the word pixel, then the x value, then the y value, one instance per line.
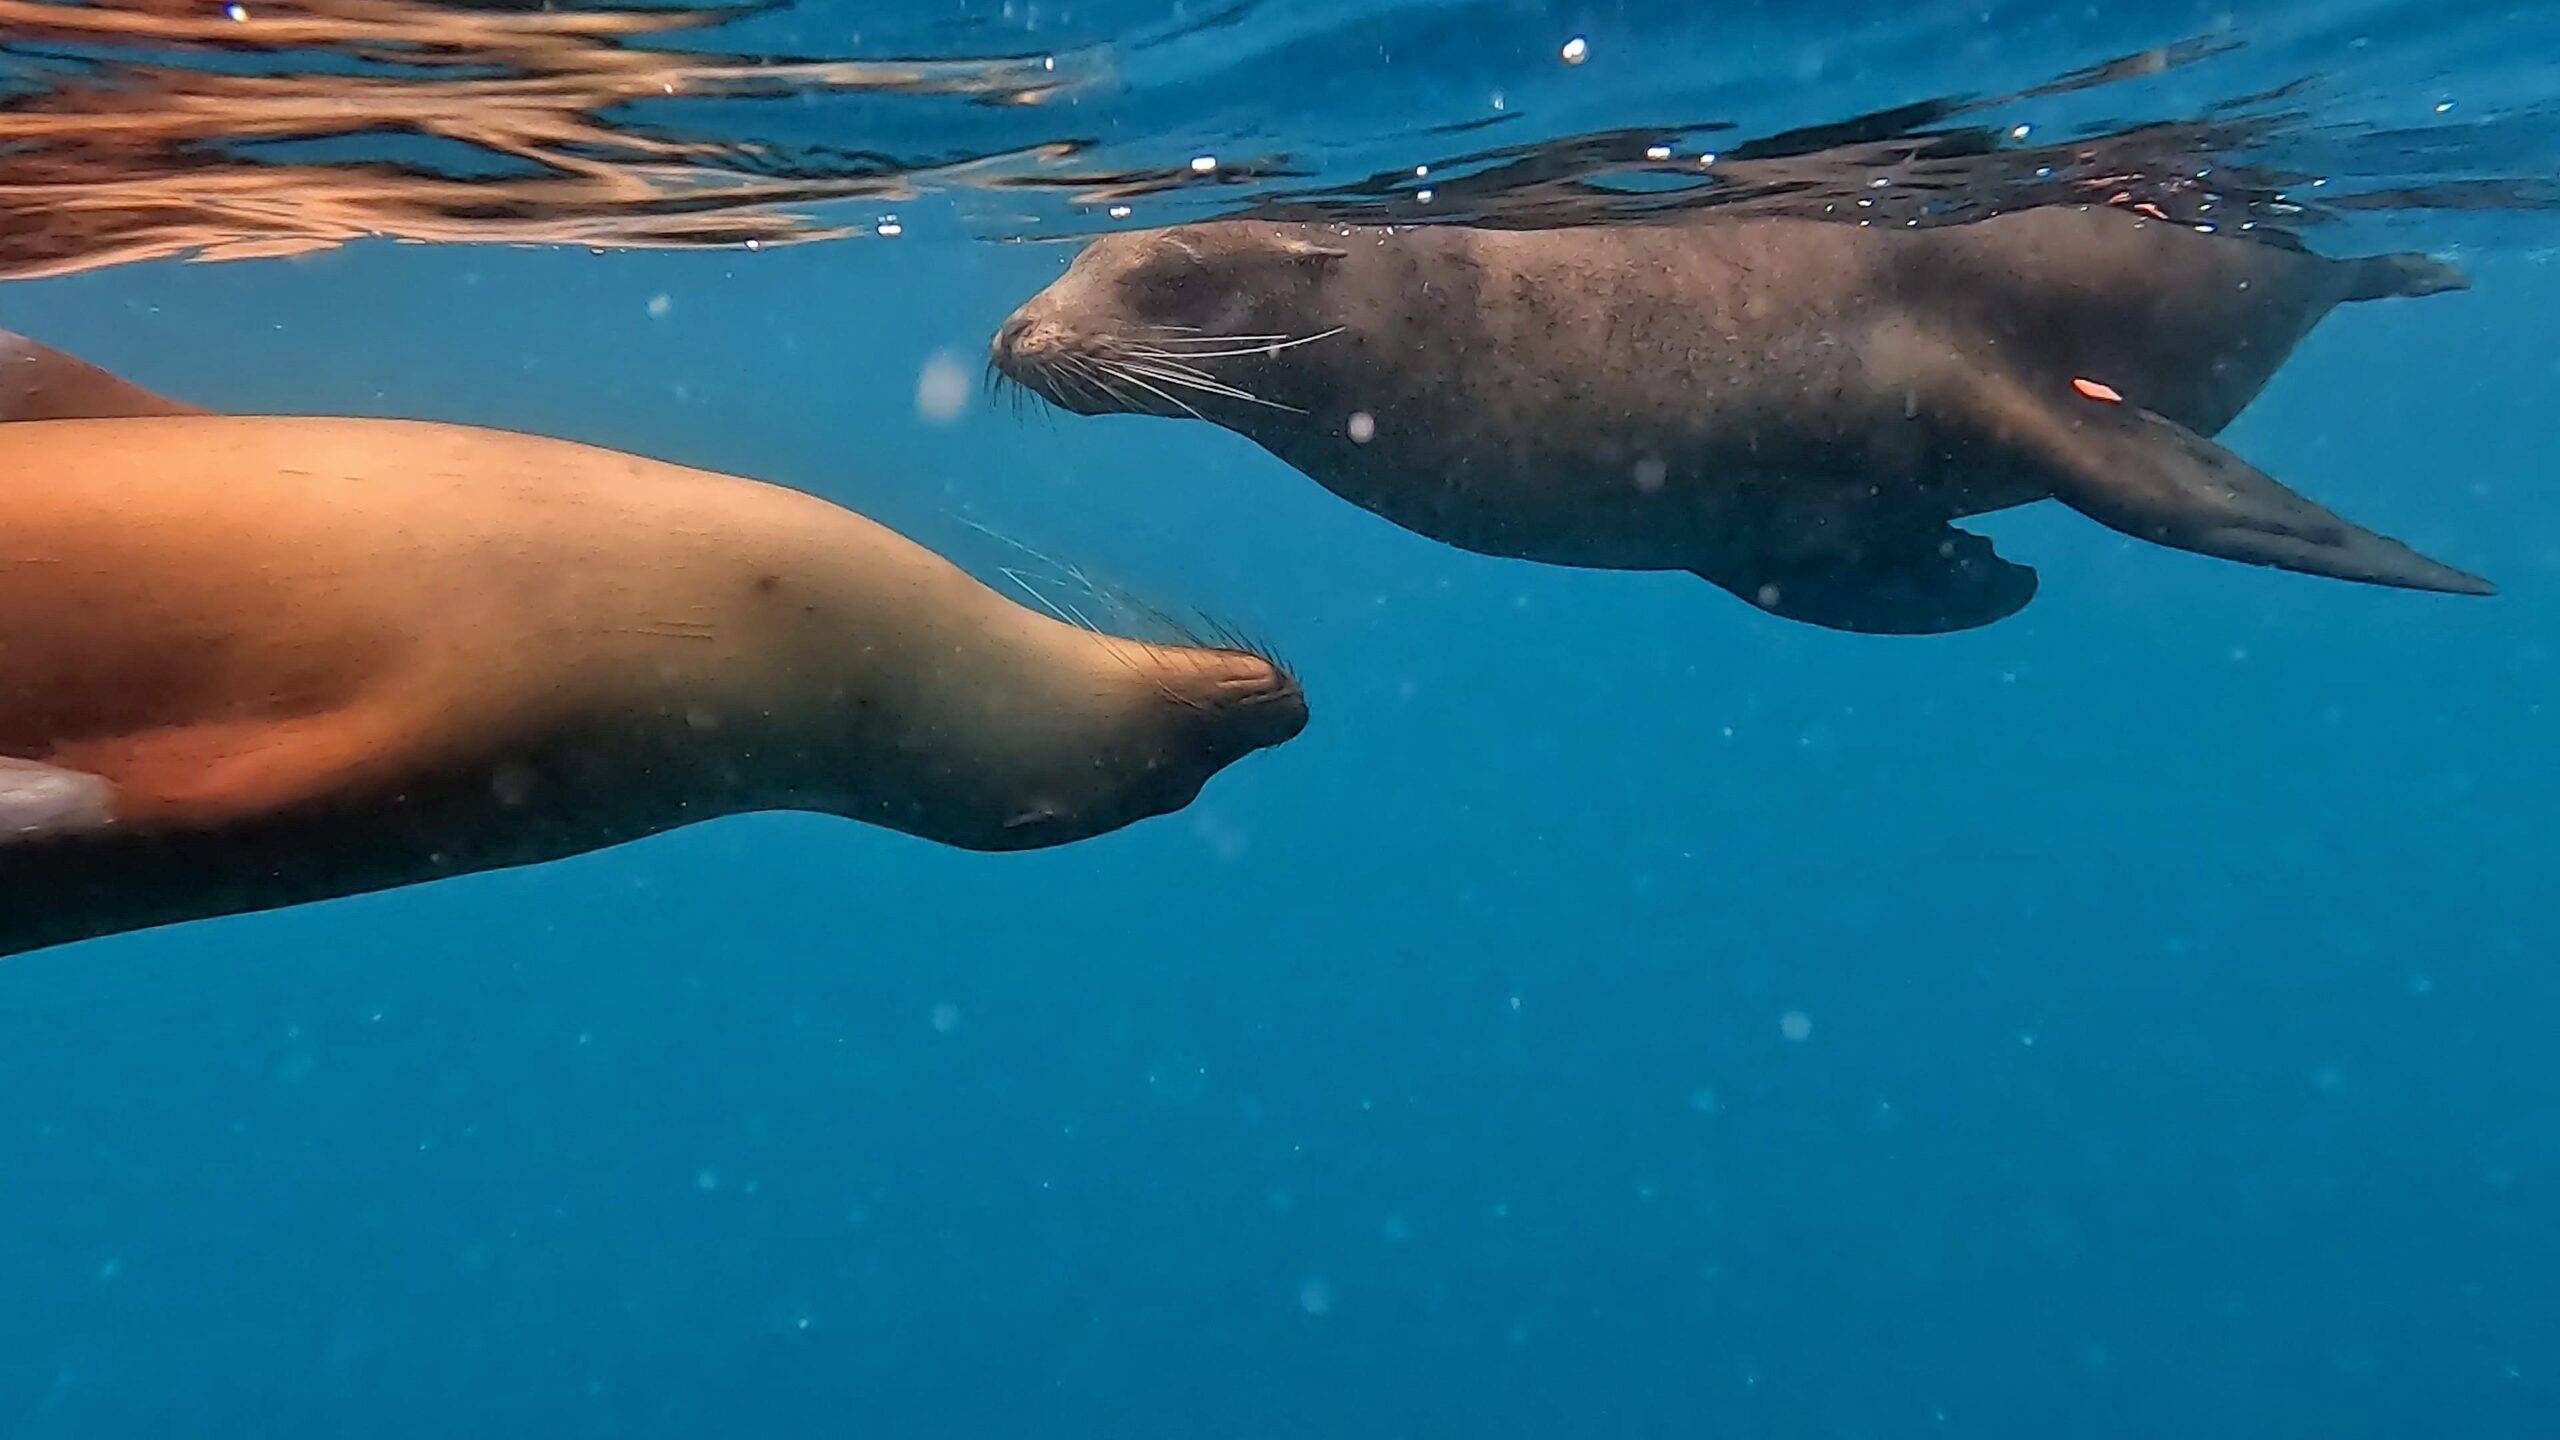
pixel 1243 703
pixel 1191 714
pixel 1038 353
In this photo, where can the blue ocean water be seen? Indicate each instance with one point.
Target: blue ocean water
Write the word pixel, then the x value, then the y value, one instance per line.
pixel 1619 1014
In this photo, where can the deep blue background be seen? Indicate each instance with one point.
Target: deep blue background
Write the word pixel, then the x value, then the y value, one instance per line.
pixel 2177 958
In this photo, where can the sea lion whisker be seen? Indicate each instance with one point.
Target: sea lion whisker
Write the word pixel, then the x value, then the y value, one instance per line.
pixel 1023 584
pixel 1103 388
pixel 1206 386
pixel 1070 380
pixel 1215 339
pixel 1271 349
pixel 1187 374
pixel 1129 374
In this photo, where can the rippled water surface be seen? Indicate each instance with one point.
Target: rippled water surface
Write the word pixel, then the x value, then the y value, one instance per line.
pixel 1620 1014
pixel 153 129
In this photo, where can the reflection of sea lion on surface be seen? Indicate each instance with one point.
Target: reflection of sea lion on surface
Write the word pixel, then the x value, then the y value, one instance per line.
pixel 248 662
pixel 1795 410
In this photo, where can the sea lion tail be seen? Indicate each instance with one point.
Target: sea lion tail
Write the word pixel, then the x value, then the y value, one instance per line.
pixel 2397 277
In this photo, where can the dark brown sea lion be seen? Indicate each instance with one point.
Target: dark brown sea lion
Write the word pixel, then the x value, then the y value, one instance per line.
pixel 248 662
pixel 1793 409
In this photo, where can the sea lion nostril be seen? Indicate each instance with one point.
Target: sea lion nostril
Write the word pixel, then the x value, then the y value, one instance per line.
pixel 1009 336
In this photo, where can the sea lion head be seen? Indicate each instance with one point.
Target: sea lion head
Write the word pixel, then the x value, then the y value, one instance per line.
pixel 1142 740
pixel 1198 321
pixel 987 724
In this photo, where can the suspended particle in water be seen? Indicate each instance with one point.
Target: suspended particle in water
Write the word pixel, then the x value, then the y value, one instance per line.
pixel 1315 1295
pixel 706 1180
pixel 1362 428
pixel 1795 1025
pixel 2099 391
pixel 1395 1230
pixel 942 389
pixel 1576 50
pixel 1650 473
pixel 1703 1100
pixel 945 1018
pixel 659 305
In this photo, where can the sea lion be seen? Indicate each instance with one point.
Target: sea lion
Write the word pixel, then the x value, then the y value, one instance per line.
pixel 250 662
pixel 1793 409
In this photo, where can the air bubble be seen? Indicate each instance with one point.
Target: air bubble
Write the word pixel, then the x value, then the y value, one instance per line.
pixel 942 389
pixel 1576 50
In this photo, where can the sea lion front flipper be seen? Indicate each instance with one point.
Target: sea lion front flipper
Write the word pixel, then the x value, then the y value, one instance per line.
pixel 2156 480
pixel 1917 582
pixel 38 382
pixel 40 801
pixel 225 771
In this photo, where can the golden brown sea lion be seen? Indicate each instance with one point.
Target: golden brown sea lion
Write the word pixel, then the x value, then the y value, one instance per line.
pixel 247 662
pixel 1793 409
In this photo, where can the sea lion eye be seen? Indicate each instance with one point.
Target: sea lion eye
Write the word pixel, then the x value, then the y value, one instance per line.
pixel 1165 280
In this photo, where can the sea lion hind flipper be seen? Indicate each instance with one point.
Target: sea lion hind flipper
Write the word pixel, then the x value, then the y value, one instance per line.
pixel 40 801
pixel 2156 480
pixel 1931 581
pixel 2400 277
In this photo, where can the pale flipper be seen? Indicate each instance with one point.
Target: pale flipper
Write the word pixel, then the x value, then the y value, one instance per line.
pixel 2154 479
pixel 1921 581
pixel 43 802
